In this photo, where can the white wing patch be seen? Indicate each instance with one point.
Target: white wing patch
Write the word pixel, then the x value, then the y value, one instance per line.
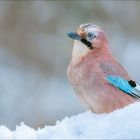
pixel 137 87
pixel 137 90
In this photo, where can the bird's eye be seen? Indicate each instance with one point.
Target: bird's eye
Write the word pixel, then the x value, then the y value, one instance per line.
pixel 91 35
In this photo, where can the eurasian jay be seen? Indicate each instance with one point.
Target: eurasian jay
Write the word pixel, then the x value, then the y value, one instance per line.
pixel 97 78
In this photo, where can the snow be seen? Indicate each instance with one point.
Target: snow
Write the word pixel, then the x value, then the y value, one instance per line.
pixel 120 124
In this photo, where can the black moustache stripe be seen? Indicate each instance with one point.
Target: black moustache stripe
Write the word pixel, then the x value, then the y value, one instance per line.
pixel 87 43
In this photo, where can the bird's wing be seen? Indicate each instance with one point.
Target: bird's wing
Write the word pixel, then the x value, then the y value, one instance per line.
pixel 130 87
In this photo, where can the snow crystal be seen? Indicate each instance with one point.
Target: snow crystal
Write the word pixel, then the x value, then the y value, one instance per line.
pixel 120 124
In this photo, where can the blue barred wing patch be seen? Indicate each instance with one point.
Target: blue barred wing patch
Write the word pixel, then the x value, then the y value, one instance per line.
pixel 120 83
pixel 130 87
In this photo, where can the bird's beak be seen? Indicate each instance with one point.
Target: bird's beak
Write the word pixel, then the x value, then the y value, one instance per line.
pixel 74 35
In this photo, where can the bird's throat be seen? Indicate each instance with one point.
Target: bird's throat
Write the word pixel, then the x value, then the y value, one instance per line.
pixel 80 50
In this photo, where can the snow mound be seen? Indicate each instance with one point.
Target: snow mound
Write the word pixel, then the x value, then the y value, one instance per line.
pixel 120 124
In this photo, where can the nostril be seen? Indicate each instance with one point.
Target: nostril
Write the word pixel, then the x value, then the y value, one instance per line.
pixel 81 32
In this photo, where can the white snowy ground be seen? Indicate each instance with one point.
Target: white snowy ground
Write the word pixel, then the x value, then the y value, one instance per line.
pixel 123 123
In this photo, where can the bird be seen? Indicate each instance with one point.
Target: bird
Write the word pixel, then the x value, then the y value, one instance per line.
pixel 97 78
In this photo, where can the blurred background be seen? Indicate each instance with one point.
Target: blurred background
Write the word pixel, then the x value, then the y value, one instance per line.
pixel 35 53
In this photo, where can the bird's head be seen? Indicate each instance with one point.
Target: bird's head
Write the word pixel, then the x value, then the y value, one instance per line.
pixel 88 38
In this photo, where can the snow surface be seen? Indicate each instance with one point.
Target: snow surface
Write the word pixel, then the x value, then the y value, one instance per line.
pixel 120 124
